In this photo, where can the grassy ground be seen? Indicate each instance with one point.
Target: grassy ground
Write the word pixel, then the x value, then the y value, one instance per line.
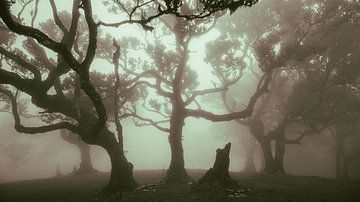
pixel 250 188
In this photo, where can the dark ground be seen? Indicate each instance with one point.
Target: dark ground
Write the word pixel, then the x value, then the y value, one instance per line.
pixel 250 188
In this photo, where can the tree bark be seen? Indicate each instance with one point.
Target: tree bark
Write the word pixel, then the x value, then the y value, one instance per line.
pixel 176 172
pixel 219 173
pixel 268 157
pixel 121 178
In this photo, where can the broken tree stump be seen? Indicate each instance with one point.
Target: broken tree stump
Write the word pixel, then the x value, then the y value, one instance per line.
pixel 219 175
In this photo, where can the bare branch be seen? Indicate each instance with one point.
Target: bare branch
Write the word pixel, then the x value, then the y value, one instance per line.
pixel 225 87
pixel 209 7
pixel 57 20
pixel 91 49
pixel 33 130
pixel 42 38
pixel 64 50
pixel 261 89
pixel 149 121
pixel 156 86
pixel 35 12
pixel 116 57
pixel 146 74
pixel 154 110
pixel 23 8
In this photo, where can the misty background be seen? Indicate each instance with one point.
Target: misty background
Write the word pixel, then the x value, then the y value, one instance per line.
pixel 24 156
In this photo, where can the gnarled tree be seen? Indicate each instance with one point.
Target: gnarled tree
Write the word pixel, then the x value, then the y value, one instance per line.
pixel 177 83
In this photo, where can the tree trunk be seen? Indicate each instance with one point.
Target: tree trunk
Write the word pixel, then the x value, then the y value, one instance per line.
pixel 176 172
pixel 85 162
pixel 121 178
pixel 250 151
pixel 262 161
pixel 273 165
pixel 279 156
pixel 268 157
pixel 219 173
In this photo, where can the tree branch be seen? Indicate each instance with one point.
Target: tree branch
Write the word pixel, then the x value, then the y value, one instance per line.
pixel 146 74
pixel 33 130
pixel 225 87
pixel 23 63
pixel 13 79
pixel 35 12
pixel 57 20
pixel 116 57
pixel 91 49
pixel 261 89
pixel 156 86
pixel 206 9
pixel 23 8
pixel 42 38
pixel 154 110
pixel 150 121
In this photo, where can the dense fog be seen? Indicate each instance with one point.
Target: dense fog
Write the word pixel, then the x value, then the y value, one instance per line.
pixel 120 86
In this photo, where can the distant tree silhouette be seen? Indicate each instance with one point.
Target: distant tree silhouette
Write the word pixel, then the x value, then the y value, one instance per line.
pixel 85 166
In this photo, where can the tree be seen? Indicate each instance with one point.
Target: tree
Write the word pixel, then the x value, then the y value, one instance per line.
pixel 289 43
pixel 337 110
pixel 85 166
pixel 88 122
pixel 328 87
pixel 345 126
pixel 177 83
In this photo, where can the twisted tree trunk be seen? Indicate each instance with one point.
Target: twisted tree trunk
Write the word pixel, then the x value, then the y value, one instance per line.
pixel 121 178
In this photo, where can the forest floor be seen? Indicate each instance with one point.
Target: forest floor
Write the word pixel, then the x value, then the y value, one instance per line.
pixel 250 188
